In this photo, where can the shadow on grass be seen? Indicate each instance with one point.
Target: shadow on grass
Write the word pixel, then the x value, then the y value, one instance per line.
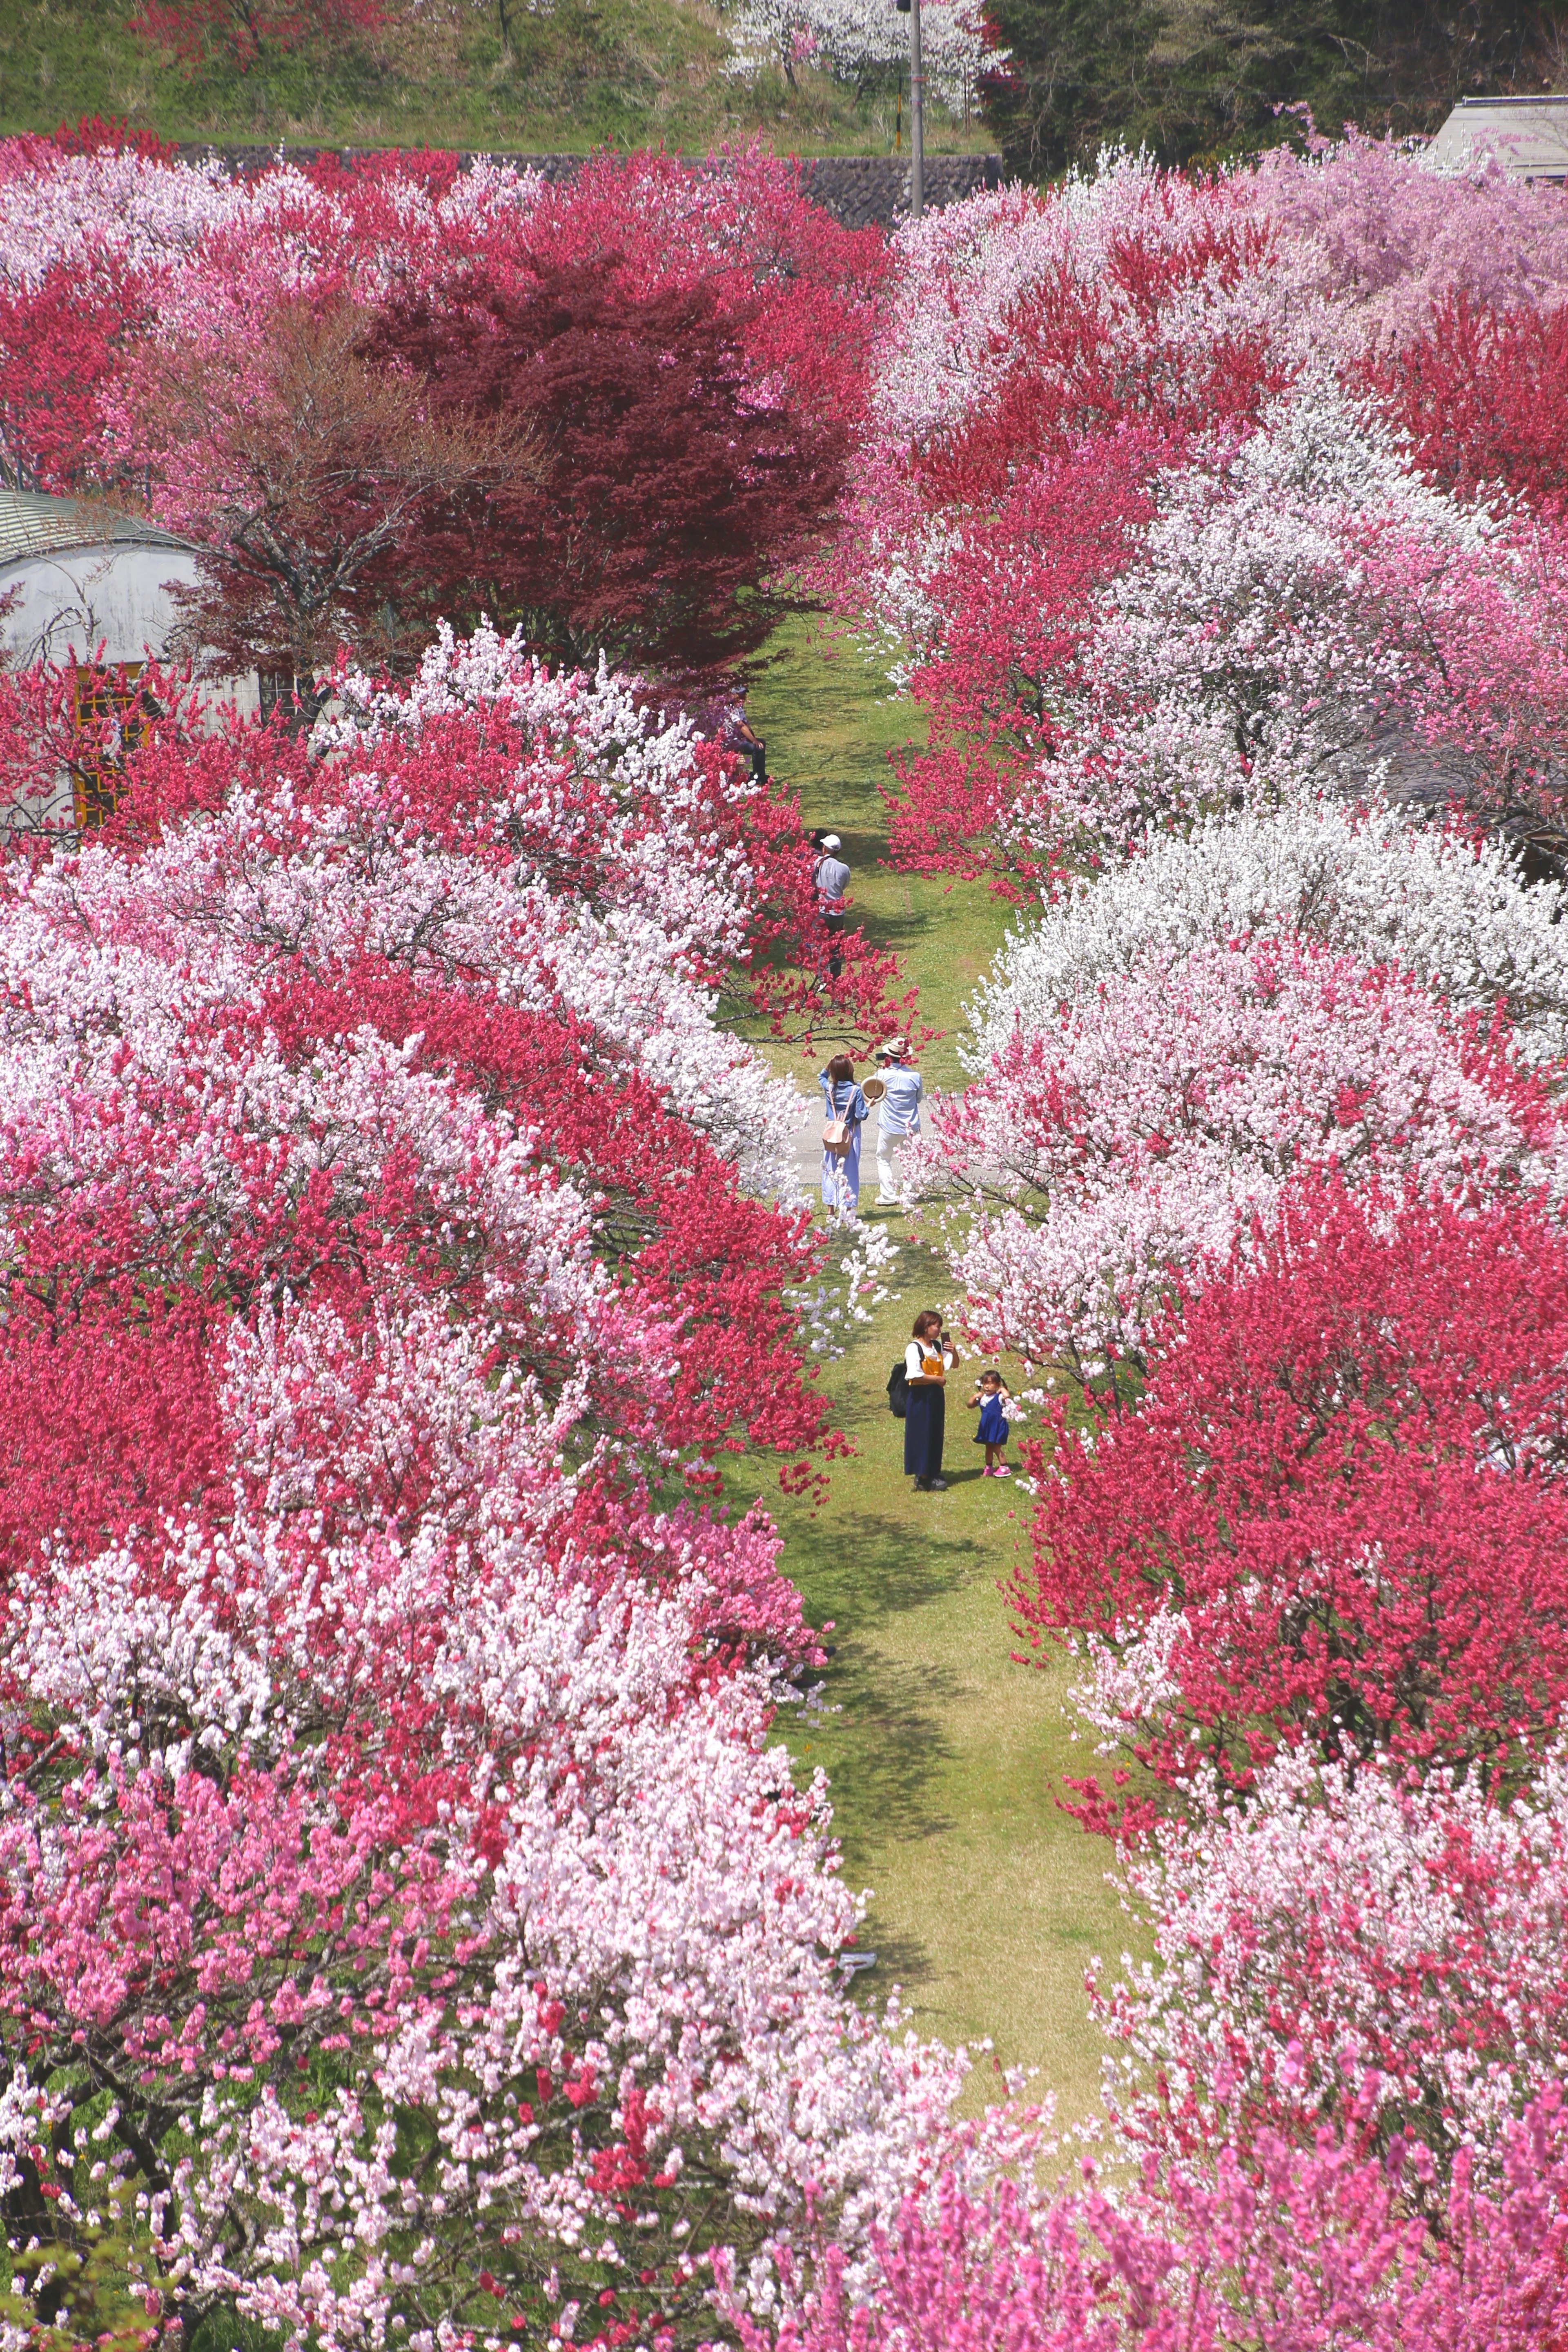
pixel 901 1742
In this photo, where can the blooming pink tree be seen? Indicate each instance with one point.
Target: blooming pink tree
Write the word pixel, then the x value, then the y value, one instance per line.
pixel 1347 1945
pixel 1140 1132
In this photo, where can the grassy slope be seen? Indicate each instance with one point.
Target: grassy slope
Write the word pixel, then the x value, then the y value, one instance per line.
pixel 988 1900
pixel 625 72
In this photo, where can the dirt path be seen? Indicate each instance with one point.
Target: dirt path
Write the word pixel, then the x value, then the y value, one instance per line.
pixel 942 1754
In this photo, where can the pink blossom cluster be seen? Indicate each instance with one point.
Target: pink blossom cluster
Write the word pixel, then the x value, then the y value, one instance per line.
pixel 410 1928
pixel 1295 2250
pixel 1139 519
pixel 1146 1127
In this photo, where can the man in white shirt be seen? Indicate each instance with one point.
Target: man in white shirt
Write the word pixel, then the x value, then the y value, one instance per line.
pixel 830 878
pixel 898 1117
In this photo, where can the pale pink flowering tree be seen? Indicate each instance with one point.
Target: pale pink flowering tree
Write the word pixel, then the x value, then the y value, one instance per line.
pixel 1370 238
pixel 1141 1128
pixel 1342 1944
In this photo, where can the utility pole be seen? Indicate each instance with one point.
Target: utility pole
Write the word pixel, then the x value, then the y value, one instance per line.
pixel 911 9
pixel 917 118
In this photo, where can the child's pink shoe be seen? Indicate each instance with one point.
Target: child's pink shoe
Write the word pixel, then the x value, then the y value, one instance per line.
pixel 1001 1471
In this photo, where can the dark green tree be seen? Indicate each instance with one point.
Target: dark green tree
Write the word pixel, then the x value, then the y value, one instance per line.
pixel 1203 80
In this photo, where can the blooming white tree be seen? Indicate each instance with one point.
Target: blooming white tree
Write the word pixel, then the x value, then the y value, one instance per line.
pixel 1371 883
pixel 851 37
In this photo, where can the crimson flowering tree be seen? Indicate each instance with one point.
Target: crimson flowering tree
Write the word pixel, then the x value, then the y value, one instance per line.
pixel 1336 1513
pixel 1480 394
pixel 671 489
pixel 243 33
pixel 57 356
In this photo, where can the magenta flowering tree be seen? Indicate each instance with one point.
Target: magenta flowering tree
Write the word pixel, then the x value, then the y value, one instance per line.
pixel 1294 2249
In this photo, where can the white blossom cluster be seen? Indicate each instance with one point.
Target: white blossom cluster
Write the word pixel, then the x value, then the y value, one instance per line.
pixel 1367 883
pixel 849 37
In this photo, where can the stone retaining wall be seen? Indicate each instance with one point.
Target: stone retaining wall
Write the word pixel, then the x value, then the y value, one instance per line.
pixel 856 189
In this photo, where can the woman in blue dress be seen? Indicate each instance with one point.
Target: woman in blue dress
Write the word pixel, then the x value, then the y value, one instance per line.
pixel 842 1098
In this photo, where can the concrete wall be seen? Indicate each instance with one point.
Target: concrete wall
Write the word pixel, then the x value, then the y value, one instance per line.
pixel 72 600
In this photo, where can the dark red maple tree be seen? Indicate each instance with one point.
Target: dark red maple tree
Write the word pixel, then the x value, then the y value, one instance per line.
pixel 679 482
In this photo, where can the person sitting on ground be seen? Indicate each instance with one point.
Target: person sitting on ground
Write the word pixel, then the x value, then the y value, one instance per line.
pixel 989 1392
pixel 830 879
pixel 924 1411
pixel 898 1117
pixel 742 738
pixel 846 1106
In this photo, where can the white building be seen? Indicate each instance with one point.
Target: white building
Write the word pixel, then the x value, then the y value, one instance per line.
pixel 89 590
pixel 1527 136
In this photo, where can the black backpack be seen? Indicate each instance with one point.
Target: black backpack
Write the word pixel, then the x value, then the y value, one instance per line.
pixel 899 1390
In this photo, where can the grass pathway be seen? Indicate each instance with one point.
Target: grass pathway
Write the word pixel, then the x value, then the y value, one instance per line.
pixel 988 1901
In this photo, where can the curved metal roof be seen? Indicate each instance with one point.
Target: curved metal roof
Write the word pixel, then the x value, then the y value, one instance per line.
pixel 32 524
pixel 1527 136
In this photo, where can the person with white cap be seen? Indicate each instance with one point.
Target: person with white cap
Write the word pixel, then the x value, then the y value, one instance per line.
pixel 830 879
pixel 898 1117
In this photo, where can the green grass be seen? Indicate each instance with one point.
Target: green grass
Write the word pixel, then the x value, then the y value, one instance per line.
pixel 830 720
pixel 592 72
pixel 944 1755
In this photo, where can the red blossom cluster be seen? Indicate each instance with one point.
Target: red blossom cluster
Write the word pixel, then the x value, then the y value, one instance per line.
pixel 1337 1512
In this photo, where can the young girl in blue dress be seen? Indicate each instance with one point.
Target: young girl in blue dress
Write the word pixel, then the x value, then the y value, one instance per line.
pixel 993 1431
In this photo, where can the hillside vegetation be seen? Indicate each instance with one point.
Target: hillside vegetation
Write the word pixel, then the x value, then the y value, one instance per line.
pixel 588 73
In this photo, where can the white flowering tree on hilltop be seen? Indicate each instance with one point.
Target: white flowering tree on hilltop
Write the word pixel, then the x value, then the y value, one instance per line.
pixel 852 38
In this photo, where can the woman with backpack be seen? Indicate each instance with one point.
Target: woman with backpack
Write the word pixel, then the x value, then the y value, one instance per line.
pixel 846 1110
pixel 925 1371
